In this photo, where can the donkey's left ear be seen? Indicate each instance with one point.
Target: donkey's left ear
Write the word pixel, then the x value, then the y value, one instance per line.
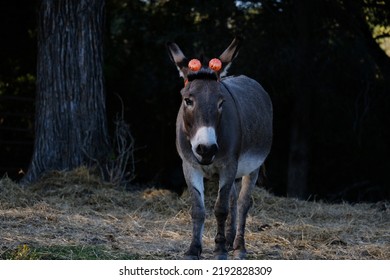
pixel 229 55
pixel 178 58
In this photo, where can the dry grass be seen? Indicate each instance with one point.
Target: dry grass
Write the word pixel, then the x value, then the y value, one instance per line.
pixel 74 210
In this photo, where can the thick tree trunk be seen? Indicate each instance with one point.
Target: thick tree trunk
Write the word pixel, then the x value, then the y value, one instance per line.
pixel 70 126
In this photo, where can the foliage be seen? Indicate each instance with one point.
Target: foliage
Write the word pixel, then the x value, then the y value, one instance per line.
pixel 17 84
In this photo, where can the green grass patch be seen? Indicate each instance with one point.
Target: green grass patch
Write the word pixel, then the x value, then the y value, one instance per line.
pixel 25 252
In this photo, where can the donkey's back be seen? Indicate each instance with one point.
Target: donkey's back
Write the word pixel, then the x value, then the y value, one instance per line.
pixel 254 110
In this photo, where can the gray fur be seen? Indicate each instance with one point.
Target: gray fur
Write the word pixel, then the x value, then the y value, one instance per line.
pixel 240 111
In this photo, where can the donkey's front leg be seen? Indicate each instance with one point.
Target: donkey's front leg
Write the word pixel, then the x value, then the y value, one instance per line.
pixel 221 211
pixel 194 180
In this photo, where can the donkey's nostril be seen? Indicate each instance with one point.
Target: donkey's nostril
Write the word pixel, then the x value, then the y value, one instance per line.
pixel 204 145
pixel 207 151
pixel 200 149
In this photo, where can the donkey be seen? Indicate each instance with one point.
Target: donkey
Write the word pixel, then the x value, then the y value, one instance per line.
pixel 223 131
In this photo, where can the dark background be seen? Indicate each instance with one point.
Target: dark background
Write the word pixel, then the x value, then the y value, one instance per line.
pixel 322 57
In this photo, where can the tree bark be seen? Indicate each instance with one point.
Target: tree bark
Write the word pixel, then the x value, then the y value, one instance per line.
pixel 70 125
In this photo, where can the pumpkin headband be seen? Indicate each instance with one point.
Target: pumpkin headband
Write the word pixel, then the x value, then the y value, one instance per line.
pixel 215 64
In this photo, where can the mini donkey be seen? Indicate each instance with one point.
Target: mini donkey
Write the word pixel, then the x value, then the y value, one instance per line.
pixel 223 131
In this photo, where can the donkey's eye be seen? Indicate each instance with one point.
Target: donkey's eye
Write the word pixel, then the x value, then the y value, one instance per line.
pixel 188 102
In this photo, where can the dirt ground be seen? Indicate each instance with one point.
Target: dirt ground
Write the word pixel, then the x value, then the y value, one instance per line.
pixel 75 210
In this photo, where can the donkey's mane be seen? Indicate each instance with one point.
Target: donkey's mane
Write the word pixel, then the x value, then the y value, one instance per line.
pixel 202 74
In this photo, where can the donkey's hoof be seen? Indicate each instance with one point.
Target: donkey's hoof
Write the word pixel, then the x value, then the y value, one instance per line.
pixel 220 256
pixel 193 253
pixel 190 257
pixel 239 255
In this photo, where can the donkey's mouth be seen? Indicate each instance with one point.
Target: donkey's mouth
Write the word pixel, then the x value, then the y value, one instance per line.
pixel 206 161
pixel 205 155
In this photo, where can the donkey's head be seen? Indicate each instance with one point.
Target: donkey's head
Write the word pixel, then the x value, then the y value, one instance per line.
pixel 202 99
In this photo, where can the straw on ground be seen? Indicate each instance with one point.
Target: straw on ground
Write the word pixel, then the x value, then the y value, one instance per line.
pixel 75 210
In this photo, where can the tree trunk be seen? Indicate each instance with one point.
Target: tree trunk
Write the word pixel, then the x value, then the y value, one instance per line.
pixel 70 125
pixel 298 162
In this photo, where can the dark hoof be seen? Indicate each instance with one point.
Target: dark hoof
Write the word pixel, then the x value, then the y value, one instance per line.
pixel 190 257
pixel 193 253
pixel 220 257
pixel 239 255
pixel 220 252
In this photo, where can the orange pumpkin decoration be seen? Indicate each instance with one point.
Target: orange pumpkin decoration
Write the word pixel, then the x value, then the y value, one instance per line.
pixel 215 64
pixel 194 65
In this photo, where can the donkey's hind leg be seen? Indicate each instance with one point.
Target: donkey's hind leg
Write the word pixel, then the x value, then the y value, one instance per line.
pixel 243 204
pixel 231 226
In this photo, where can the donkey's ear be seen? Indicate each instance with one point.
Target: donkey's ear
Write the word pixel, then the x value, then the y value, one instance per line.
pixel 229 55
pixel 178 58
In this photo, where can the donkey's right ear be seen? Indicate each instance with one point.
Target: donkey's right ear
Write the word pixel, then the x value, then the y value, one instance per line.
pixel 178 58
pixel 229 55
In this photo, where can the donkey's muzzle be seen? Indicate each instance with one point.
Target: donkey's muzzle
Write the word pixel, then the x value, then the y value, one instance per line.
pixel 206 153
